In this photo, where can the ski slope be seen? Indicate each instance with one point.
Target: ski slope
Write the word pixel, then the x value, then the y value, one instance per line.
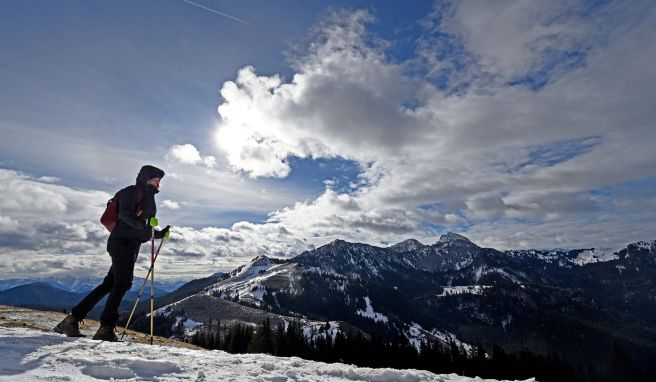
pixel 31 355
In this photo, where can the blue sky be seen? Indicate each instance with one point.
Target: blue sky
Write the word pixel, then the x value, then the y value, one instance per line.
pixel 119 74
pixel 518 124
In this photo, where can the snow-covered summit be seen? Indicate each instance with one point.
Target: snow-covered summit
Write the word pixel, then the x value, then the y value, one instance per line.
pixel 644 246
pixel 255 266
pixel 641 250
pixel 260 261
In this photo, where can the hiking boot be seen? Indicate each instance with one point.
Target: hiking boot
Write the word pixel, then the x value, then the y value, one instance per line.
pixel 105 333
pixel 69 326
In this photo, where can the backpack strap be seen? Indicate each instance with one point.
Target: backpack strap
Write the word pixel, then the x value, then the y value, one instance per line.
pixel 114 199
pixel 140 195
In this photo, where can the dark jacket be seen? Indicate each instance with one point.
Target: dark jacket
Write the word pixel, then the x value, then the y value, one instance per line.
pixel 133 216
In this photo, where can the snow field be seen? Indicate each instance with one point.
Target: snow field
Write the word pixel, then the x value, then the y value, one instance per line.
pixel 370 313
pixel 464 289
pixel 30 355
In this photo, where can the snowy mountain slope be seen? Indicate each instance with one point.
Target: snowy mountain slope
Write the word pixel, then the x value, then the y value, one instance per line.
pixel 576 257
pixel 524 301
pixel 327 284
pixel 454 290
pixel 28 355
pixel 200 309
pixel 188 289
pixel 249 282
pixel 331 284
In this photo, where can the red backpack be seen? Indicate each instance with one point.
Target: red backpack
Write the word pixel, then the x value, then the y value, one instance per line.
pixel 109 218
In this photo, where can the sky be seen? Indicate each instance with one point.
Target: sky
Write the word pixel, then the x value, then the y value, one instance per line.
pixel 285 125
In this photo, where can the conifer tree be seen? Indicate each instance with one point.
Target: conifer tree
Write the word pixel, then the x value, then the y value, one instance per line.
pixel 262 339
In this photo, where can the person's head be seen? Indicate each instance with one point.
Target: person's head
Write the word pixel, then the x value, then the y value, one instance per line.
pixel 154 182
pixel 150 176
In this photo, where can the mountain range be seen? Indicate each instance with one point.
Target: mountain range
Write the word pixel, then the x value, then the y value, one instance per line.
pixel 577 303
pixel 82 284
pixel 43 295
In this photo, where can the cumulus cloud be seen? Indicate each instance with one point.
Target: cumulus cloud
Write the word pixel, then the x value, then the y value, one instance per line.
pixel 503 149
pixel 171 204
pixel 32 200
pixel 514 38
pixel 189 154
pixel 43 220
pixel 341 102
pixel 48 229
pixel 49 179
pixel 533 133
pixel 8 225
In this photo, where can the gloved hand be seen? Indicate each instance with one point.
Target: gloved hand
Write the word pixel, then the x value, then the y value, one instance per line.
pixel 163 233
pixel 149 229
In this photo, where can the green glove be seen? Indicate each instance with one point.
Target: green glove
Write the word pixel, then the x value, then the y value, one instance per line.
pixel 163 234
pixel 153 222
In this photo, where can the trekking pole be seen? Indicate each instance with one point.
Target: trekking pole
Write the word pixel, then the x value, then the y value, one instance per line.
pixel 152 285
pixel 143 286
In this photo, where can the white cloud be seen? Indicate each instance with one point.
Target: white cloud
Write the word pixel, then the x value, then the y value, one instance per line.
pixel 48 229
pixel 188 154
pixel 341 102
pixel 171 204
pixel 8 226
pixel 209 161
pixel 31 200
pixel 512 38
pixel 185 154
pixel 49 179
pixel 454 150
pixel 42 221
pixel 480 158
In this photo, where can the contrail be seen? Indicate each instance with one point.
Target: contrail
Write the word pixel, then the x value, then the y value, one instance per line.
pixel 224 15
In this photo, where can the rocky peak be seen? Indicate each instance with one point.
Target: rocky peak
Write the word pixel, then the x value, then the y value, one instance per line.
pixel 260 261
pixel 641 250
pixel 334 246
pixel 451 237
pixel 334 249
pixel 407 245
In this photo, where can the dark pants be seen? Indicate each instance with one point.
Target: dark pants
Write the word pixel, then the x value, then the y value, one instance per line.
pixel 118 281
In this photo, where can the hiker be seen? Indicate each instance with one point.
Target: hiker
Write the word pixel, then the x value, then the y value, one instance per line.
pixel 136 207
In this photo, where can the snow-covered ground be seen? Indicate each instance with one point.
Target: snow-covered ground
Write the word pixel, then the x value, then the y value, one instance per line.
pixel 416 335
pixel 370 313
pixel 595 255
pixel 31 355
pixel 463 289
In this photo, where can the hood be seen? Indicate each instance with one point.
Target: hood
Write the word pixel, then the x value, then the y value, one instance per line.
pixel 147 173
